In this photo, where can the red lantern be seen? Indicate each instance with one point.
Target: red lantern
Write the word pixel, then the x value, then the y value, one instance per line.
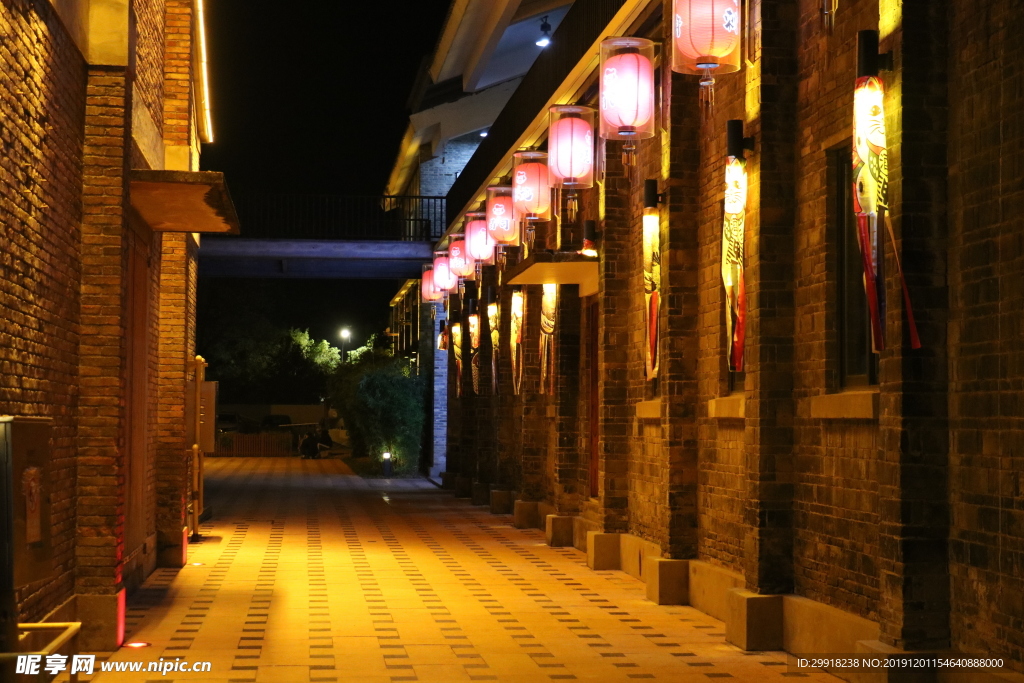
pixel 706 36
pixel 479 243
pixel 627 89
pixel 571 147
pixel 427 289
pixel 444 278
pixel 459 260
pixel 501 220
pixel 531 192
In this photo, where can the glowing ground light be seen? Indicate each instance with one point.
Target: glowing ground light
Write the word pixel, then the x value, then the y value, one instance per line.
pixel 137 644
pixel 198 564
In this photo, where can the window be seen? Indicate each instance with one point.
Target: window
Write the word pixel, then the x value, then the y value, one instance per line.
pixel 858 365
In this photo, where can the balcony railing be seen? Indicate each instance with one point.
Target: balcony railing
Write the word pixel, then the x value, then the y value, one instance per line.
pixel 339 217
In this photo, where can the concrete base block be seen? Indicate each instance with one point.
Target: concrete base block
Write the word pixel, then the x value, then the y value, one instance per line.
pixel 635 553
pixel 668 581
pixel 812 627
pixel 526 515
pixel 580 528
pixel 102 618
pixel 603 551
pixel 558 530
pixel 448 481
pixel 754 621
pixel 172 549
pixel 710 586
pixel 463 487
pixel 481 493
pixel 502 502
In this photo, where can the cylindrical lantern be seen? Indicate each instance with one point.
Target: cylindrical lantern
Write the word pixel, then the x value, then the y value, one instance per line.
pixel 627 89
pixel 706 37
pixel 479 242
pixel 501 220
pixel 571 147
pixel 459 259
pixel 427 289
pixel 444 278
pixel 531 191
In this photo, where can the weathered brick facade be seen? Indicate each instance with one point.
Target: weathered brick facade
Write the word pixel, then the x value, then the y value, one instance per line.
pixel 896 503
pixel 98 309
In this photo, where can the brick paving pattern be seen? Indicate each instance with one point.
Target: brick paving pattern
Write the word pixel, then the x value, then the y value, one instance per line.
pixel 309 573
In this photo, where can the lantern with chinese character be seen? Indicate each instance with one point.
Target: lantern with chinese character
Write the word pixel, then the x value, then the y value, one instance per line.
pixel 571 151
pixel 459 260
pixel 531 192
pixel 444 279
pixel 627 92
pixel 706 39
pixel 501 220
pixel 479 243
pixel 427 289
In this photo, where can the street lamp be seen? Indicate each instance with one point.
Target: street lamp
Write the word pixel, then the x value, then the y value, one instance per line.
pixel 345 335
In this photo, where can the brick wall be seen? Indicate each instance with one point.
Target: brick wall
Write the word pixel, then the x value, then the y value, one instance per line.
pixel 436 175
pixel 43 79
pixel 148 57
pixel 986 262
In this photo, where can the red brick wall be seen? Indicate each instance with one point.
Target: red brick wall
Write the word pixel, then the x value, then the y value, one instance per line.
pixel 177 86
pixel 42 78
pixel 148 57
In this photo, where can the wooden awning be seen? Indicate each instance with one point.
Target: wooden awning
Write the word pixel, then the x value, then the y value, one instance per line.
pixel 184 201
pixel 558 267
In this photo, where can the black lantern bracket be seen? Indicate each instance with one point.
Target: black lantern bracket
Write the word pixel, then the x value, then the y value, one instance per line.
pixel 869 60
pixel 736 144
pixel 651 195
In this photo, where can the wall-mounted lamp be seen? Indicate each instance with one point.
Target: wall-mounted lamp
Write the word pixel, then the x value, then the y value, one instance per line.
pixel 869 61
pixel 652 275
pixel 545 33
pixel 733 240
pixel 589 245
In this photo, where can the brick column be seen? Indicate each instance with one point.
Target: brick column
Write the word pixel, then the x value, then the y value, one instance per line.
pixel 768 547
pixel 487 426
pixel 536 425
pixel 101 440
pixel 509 411
pixel 912 470
pixel 568 484
pixel 680 341
pixel 454 436
pixel 176 348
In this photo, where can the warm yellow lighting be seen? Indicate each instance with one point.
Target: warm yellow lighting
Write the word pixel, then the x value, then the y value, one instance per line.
pixel 137 644
pixel 652 288
pixel 517 318
pixel 386 456
pixel 204 73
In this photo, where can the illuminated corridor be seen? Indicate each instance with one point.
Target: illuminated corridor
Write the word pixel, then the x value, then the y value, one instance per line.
pixel 312 574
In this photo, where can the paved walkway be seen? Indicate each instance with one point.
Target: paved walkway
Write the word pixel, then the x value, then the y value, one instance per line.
pixel 309 573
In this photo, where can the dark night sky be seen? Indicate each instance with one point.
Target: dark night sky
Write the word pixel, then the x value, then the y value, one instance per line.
pixel 311 97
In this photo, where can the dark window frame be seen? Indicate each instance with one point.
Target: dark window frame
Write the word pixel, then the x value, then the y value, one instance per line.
pixel 856 363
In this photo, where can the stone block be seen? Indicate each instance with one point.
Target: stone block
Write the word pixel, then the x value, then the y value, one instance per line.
pixel 634 553
pixel 754 622
pixel 603 551
pixel 526 515
pixel 710 586
pixel 481 493
pixel 558 530
pixel 668 581
pixel 463 487
pixel 502 502
pixel 102 618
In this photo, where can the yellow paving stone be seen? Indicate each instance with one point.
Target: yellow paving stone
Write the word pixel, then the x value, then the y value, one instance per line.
pixel 309 573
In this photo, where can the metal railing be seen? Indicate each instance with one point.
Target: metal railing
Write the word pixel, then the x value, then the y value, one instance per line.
pixel 341 217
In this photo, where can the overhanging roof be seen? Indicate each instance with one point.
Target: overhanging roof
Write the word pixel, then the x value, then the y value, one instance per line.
pixel 556 268
pixel 184 201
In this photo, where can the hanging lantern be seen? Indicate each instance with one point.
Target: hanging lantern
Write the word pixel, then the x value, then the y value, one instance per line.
pixel 517 319
pixel 571 152
pixel 444 279
pixel 871 188
pixel 627 92
pixel 459 260
pixel 501 223
pixel 531 191
pixel 455 333
pixel 651 229
pixel 479 243
pixel 494 322
pixel 548 319
pixel 706 39
pixel 428 291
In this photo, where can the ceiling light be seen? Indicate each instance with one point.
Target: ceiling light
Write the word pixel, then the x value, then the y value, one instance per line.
pixel 545 33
